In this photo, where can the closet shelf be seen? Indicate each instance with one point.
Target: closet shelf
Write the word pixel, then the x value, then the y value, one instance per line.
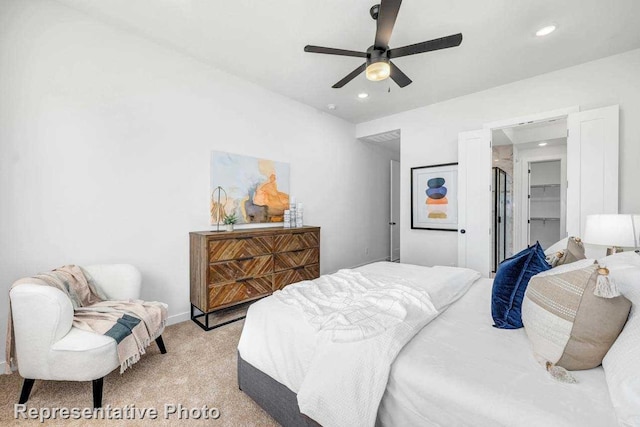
pixel 544 219
pixel 545 186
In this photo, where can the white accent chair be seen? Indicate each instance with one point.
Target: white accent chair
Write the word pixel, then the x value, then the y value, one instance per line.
pixel 48 347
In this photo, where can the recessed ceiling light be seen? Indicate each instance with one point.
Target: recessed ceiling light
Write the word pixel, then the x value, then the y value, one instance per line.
pixel 545 31
pixel 363 95
pixel 496 160
pixel 331 106
pixel 542 144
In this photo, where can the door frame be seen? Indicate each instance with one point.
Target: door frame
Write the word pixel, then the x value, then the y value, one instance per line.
pixel 560 113
pixel 394 223
pixel 521 202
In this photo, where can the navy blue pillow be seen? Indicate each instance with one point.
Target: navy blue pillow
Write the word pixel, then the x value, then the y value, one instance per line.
pixel 510 284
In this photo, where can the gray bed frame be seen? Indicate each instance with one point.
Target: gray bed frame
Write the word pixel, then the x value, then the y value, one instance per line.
pixel 276 399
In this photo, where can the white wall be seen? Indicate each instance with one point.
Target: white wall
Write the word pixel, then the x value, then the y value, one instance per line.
pixel 104 155
pixel 429 134
pixel 544 173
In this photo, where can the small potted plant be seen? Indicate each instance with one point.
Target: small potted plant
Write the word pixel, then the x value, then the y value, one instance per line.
pixel 229 220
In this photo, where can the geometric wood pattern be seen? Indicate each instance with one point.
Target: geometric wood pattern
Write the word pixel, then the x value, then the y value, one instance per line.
pixel 287 260
pixel 228 271
pixel 220 250
pixel 222 295
pixel 229 268
pixel 294 275
pixel 295 241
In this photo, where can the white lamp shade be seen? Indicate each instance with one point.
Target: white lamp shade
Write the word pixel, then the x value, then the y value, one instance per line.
pixel 611 230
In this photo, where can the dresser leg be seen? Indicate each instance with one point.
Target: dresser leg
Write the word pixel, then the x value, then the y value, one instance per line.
pixel 207 325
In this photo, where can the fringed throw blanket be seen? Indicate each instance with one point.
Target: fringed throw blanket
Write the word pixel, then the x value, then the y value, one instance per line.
pixel 132 324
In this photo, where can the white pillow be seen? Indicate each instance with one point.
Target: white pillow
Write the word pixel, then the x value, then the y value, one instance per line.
pixel 622 362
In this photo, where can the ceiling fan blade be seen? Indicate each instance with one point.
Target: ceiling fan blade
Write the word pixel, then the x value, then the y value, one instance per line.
pixel 436 44
pixel 385 22
pixel 332 51
pixel 352 75
pixel 398 76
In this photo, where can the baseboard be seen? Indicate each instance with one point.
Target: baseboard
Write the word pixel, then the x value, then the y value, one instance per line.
pixel 178 318
pixel 3 366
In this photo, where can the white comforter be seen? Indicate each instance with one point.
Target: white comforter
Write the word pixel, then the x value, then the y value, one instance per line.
pixel 360 321
pixel 461 371
pixel 348 306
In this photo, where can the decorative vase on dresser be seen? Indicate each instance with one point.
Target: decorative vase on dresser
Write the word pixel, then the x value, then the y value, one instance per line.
pixel 228 269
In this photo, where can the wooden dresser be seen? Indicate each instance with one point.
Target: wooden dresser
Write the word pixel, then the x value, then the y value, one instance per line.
pixel 229 268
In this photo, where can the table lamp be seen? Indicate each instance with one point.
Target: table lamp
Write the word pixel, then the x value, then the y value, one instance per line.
pixel 614 231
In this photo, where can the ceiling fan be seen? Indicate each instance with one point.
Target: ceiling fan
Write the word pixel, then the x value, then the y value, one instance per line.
pixel 378 65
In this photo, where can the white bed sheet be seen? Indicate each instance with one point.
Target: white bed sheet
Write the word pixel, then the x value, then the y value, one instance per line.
pixel 461 371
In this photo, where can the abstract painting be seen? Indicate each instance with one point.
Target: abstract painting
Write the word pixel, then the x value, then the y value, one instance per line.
pixel 434 197
pixel 257 190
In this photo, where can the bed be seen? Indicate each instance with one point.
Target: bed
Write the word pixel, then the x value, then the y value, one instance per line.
pixel 457 370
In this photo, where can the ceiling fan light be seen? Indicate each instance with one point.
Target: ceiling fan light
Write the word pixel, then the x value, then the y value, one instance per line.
pixel 377 71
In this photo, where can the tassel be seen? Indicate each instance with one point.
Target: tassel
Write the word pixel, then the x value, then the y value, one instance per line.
pixel 578 241
pixel 605 286
pixel 558 373
pixel 555 258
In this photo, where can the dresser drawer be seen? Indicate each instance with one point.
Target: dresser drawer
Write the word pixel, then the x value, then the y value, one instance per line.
pixel 298 274
pixel 241 290
pixel 228 271
pixel 228 249
pixel 293 259
pixel 295 241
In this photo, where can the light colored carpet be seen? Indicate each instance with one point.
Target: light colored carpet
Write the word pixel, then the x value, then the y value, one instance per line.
pixel 198 369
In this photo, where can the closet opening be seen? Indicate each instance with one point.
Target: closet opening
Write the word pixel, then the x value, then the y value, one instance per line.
pixel 585 143
pixel 545 203
pixel 529 177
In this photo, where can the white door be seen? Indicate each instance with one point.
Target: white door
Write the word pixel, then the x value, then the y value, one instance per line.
pixel 592 166
pixel 394 212
pixel 474 200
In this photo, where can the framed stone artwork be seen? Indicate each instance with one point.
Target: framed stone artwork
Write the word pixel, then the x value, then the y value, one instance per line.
pixel 434 197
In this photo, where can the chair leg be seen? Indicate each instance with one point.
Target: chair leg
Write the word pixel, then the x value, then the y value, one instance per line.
pixel 27 385
pixel 97 393
pixel 160 343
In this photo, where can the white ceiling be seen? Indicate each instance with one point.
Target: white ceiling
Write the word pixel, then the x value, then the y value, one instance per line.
pixel 262 41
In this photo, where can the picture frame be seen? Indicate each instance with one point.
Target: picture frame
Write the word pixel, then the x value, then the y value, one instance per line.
pixel 434 197
pixel 256 190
